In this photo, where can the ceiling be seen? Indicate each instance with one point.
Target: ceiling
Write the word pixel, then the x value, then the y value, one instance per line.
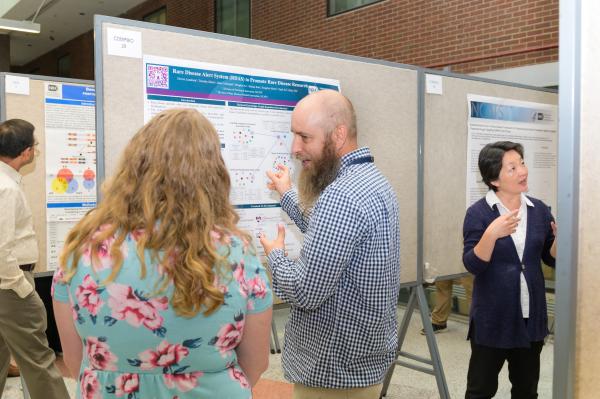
pixel 60 20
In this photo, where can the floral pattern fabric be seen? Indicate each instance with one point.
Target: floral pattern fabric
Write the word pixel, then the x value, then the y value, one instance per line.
pixel 136 347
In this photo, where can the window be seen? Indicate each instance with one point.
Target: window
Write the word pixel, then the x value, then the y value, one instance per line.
pixel 64 66
pixel 232 17
pixel 158 17
pixel 339 6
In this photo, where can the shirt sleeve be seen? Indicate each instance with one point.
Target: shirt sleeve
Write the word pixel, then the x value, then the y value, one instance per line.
pixel 60 289
pixel 291 205
pixel 11 276
pixel 335 230
pixel 260 296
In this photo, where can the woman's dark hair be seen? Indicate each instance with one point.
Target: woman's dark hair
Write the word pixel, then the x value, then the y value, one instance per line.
pixel 490 160
pixel 16 135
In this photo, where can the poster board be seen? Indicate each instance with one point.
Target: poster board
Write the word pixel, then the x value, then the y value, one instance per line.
pixel 30 105
pixel 384 94
pixel 445 148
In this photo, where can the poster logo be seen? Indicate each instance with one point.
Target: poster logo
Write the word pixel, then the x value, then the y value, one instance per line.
pixel 53 90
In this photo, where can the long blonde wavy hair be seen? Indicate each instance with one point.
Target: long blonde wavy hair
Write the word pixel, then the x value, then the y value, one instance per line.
pixel 171 182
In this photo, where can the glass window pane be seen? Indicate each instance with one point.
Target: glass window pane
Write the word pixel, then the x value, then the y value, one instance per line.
pixel 339 6
pixel 243 18
pixel 64 66
pixel 158 17
pixel 233 17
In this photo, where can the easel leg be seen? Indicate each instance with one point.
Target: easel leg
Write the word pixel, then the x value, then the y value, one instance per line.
pixel 432 344
pixel 417 298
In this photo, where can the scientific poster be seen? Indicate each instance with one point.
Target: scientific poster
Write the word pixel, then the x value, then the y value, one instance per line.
pixel 70 155
pixel 534 125
pixel 251 110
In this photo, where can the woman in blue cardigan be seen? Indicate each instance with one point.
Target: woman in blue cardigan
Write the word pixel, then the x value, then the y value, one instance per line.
pixel 506 237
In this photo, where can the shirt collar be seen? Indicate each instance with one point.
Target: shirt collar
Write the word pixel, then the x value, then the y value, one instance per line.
pixel 492 199
pixel 8 170
pixel 351 156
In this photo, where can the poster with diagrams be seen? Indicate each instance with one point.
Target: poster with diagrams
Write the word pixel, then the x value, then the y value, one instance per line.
pixel 251 110
pixel 533 125
pixel 70 154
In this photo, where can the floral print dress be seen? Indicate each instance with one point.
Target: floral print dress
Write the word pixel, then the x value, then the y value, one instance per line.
pixel 136 347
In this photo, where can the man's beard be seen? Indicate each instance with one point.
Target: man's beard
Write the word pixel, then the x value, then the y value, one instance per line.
pixel 313 180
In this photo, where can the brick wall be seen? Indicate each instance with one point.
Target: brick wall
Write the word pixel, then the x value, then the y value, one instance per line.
pixel 191 14
pixel 463 35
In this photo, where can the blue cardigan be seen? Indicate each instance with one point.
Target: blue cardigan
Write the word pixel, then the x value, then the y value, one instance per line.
pixel 496 317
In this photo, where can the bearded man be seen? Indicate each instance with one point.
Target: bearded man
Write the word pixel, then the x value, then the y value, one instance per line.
pixel 342 333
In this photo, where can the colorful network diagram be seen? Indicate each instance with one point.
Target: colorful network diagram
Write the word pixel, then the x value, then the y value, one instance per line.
pixel 282 141
pixel 243 136
pixel 244 178
pixel 282 159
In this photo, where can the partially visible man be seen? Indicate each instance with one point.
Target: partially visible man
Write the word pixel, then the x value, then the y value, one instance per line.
pixel 342 333
pixel 22 312
pixel 443 302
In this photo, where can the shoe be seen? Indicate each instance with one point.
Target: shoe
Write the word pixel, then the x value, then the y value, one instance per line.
pixel 13 370
pixel 437 328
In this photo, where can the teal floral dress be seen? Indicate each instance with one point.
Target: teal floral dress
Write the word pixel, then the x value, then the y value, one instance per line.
pixel 136 347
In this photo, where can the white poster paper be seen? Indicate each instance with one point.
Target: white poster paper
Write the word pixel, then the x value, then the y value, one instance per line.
pixel 533 125
pixel 251 110
pixel 56 234
pixel 70 160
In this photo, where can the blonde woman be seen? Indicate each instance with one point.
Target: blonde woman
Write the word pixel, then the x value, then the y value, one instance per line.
pixel 159 294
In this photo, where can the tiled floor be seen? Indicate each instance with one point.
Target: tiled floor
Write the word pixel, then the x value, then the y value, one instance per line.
pixel 406 383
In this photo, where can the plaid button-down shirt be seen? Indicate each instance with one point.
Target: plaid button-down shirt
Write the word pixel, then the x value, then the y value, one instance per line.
pixel 342 331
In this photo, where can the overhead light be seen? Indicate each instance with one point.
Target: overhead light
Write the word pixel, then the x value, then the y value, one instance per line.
pixel 19 26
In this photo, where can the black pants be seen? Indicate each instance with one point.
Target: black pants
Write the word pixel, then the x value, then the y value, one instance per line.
pixel 486 363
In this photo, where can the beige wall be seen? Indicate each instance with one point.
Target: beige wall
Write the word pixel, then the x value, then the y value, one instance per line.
pixel 587 357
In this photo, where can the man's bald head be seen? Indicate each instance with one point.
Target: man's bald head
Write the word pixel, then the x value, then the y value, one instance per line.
pixel 328 109
pixel 324 127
